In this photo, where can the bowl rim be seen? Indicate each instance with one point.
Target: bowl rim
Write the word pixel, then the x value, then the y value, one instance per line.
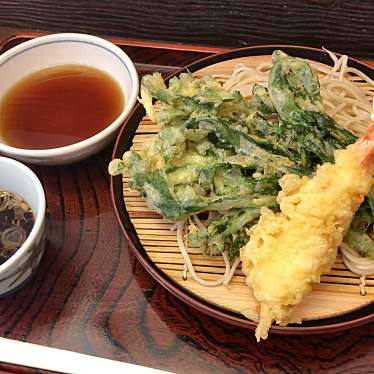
pixel 39 216
pixel 321 326
pixel 108 130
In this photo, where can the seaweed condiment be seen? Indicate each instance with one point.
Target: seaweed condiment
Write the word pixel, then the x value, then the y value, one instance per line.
pixel 16 222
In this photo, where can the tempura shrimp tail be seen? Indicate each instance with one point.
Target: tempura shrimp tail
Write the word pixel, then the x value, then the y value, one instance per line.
pixel 365 145
pixel 290 250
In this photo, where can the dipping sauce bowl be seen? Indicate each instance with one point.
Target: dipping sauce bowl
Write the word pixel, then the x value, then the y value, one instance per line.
pixel 68 49
pixel 19 179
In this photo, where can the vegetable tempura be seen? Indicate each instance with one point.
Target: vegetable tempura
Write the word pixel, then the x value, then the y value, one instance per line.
pixel 290 250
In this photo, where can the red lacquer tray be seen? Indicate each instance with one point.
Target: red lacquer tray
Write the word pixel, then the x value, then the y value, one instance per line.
pixel 76 301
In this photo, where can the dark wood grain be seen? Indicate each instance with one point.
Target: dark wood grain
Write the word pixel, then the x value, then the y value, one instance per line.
pixel 17 369
pixel 90 295
pixel 344 26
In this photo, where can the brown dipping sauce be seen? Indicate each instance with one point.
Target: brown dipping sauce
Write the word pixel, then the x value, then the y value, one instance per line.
pixel 58 106
pixel 16 223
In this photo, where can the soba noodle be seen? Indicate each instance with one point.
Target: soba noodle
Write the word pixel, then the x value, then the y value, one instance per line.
pixel 347 93
pixel 347 96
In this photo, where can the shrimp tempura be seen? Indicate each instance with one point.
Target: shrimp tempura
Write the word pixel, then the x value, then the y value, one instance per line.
pixel 290 250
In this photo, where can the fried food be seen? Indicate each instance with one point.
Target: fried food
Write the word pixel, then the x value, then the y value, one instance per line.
pixel 290 250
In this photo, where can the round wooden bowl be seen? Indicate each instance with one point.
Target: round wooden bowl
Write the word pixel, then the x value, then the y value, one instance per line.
pixel 334 304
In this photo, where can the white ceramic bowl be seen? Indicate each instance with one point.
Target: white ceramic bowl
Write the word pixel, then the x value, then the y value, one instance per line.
pixel 18 178
pixel 62 49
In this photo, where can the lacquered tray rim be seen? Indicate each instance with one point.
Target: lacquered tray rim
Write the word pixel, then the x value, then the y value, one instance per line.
pixel 365 314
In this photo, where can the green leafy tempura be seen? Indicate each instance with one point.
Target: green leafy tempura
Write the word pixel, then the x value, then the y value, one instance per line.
pixel 218 151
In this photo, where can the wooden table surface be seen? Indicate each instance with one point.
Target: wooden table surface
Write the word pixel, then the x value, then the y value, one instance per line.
pixel 90 295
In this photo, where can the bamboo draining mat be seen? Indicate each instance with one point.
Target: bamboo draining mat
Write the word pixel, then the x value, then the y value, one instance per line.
pixel 338 292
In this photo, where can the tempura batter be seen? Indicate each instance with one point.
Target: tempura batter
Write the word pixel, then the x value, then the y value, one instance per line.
pixel 290 250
